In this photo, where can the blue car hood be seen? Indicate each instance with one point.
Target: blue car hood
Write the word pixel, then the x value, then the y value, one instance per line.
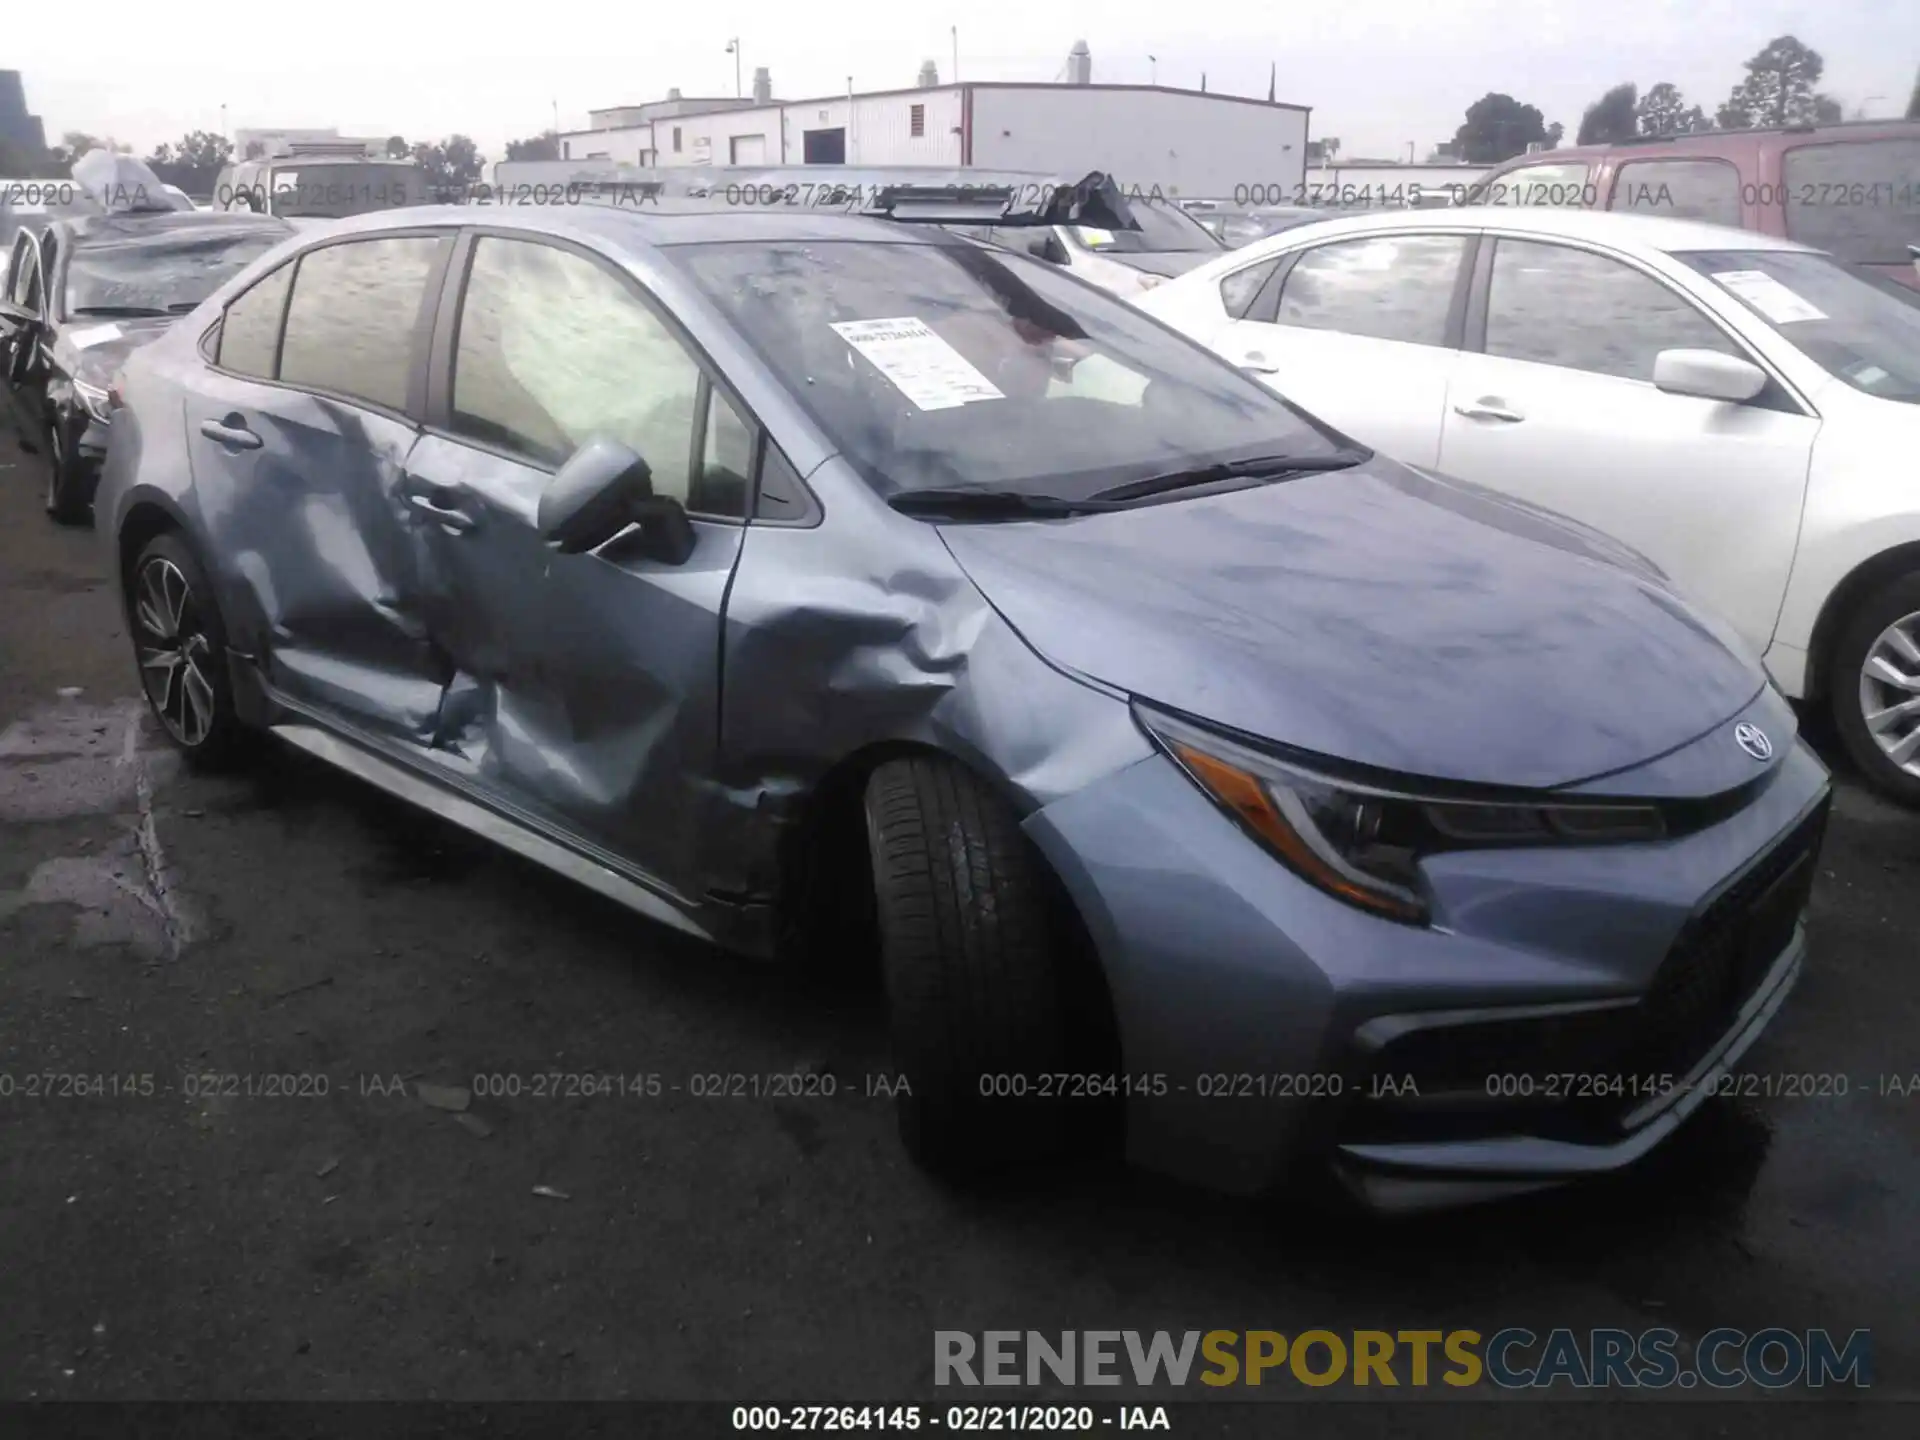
pixel 1378 615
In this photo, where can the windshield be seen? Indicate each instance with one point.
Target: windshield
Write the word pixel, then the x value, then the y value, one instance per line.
pixel 160 273
pixel 331 191
pixel 1164 229
pixel 1851 329
pixel 952 365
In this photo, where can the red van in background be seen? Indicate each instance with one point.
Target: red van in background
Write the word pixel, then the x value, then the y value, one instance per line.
pixel 1851 189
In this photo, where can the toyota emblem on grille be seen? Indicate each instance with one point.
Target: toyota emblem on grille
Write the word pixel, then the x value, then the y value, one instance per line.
pixel 1753 740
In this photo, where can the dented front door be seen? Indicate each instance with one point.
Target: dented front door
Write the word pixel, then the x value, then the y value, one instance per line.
pixel 585 687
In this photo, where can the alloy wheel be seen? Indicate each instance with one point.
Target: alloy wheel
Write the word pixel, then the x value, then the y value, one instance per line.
pixel 174 651
pixel 1890 692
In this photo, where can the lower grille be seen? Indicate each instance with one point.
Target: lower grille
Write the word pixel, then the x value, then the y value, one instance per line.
pixel 1470 1079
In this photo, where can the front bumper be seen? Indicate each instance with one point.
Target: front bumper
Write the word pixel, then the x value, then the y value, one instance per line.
pixel 89 445
pixel 1255 1012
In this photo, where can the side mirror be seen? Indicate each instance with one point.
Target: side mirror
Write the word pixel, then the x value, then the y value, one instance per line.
pixel 1708 375
pixel 1046 245
pixel 602 489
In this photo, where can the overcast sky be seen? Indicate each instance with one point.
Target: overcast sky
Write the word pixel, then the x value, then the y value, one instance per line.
pixel 1378 73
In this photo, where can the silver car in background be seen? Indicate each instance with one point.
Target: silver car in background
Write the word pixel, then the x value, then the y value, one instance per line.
pixel 816 584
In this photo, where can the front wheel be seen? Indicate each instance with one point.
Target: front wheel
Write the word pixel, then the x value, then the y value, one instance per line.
pixel 1875 688
pixel 180 645
pixel 968 949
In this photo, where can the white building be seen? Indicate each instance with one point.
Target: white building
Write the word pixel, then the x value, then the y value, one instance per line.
pixel 264 144
pixel 1182 142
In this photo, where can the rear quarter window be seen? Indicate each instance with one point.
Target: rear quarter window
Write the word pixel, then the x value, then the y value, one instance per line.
pixel 250 332
pixel 1858 199
pixel 1238 290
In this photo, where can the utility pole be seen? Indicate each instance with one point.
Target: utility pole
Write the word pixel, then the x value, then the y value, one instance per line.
pixel 733 49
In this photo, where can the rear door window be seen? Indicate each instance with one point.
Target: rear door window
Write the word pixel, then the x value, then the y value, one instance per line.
pixel 353 315
pixel 1706 190
pixel 1859 199
pixel 1385 287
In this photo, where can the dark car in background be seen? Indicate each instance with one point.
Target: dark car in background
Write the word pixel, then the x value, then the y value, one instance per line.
pixel 1850 189
pixel 83 291
pixel 1236 225
pixel 312 185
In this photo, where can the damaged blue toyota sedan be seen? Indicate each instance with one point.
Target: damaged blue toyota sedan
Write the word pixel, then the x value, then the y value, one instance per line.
pixel 821 585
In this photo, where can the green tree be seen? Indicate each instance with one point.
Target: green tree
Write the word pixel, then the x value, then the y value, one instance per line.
pixel 1778 88
pixel 194 163
pixel 1611 118
pixel 1663 110
pixel 544 146
pixel 1913 100
pixel 397 147
pixel 1497 128
pixel 452 165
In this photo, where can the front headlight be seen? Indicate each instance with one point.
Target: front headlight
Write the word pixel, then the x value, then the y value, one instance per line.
pixel 1364 842
pixel 94 399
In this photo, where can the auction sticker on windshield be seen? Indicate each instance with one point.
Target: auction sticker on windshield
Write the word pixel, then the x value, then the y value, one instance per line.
pixel 921 365
pixel 93 335
pixel 1767 295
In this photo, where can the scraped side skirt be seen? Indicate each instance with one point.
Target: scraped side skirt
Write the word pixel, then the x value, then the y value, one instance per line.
pixel 508 833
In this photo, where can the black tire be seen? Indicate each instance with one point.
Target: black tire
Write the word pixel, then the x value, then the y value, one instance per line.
pixel 69 496
pixel 968 954
pixel 201 722
pixel 1870 620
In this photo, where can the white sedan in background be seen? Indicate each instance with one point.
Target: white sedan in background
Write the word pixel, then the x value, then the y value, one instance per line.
pixel 1742 410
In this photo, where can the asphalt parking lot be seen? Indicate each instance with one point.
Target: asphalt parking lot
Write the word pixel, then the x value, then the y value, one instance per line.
pixel 369 1242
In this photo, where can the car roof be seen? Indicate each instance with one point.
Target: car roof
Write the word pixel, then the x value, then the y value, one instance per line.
pixel 1714 142
pixel 652 223
pixel 144 224
pixel 1606 227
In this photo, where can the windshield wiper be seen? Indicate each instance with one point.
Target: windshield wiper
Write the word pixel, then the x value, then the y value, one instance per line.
pixel 991 504
pixel 115 310
pixel 1259 465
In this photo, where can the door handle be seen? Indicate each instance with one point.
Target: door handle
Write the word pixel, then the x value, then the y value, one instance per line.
pixel 1488 407
pixel 1254 363
pixel 238 436
pixel 428 504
